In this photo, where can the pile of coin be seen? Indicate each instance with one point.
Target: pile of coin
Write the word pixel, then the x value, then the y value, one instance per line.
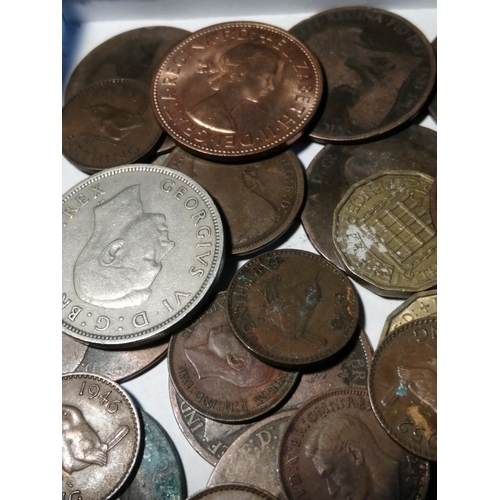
pixel 272 379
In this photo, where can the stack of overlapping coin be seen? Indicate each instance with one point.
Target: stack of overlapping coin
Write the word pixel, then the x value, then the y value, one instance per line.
pixel 272 370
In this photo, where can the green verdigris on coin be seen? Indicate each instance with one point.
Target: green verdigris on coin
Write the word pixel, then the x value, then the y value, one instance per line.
pixel 142 246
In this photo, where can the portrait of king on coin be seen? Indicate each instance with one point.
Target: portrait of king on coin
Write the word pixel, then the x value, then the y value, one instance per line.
pixel 120 261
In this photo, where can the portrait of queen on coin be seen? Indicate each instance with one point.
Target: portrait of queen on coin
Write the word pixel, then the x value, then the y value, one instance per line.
pixel 246 72
pixel 121 260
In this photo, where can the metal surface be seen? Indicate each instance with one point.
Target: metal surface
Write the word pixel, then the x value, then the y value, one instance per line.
pixel 237 90
pixel 336 168
pixel 232 492
pixel 334 447
pixel 258 200
pixel 109 124
pixel 403 386
pixel 379 71
pixel 433 106
pixel 292 308
pixel 160 475
pixel 217 376
pixel 117 365
pixel 101 434
pixel 382 230
pixel 133 54
pixel 142 246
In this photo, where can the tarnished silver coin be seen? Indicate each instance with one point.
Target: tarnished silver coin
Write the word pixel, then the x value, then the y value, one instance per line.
pixel 232 491
pixel 142 246
pixel 160 474
pixel 118 365
pixel 101 436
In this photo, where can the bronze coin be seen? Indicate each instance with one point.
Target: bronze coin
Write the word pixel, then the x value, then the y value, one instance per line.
pixel 109 124
pixel 433 106
pixel 433 202
pixel 259 200
pixel 233 491
pixel 403 386
pixel 254 457
pixel 419 306
pixel 209 438
pixel 348 369
pixel 382 230
pixel 216 375
pixel 337 167
pixel 292 308
pixel 116 365
pixel 237 90
pixel 134 55
pixel 334 447
pixel 379 71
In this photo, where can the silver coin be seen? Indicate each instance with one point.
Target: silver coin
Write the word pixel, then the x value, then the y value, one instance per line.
pixel 160 474
pixel 101 435
pixel 142 246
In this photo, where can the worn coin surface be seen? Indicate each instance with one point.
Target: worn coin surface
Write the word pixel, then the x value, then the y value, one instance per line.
pixel 142 246
pixel 337 167
pixel 259 200
pixel 433 106
pixel 134 55
pixel 383 231
pixel 433 202
pixel 109 124
pixel 254 457
pixel 160 475
pixel 209 438
pixel 238 89
pixel 118 365
pixel 233 491
pixel 292 308
pixel 379 70
pixel 334 447
pixel 419 306
pixel 403 386
pixel 217 376
pixel 101 436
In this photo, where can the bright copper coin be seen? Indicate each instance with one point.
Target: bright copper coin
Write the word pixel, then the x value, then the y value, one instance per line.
pixel 259 200
pixel 403 386
pixel 237 90
pixel 233 491
pixel 336 168
pixel 334 447
pixel 134 55
pixel 348 369
pixel 217 376
pixel 379 69
pixel 419 306
pixel 382 230
pixel 292 308
pixel 101 436
pixel 109 124
pixel 209 438
pixel 254 457
pixel 116 365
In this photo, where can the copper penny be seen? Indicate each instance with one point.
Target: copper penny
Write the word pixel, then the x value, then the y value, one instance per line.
pixel 383 231
pixel 232 491
pixel 259 200
pixel 292 308
pixel 109 124
pixel 403 386
pixel 117 365
pixel 337 167
pixel 101 436
pixel 209 438
pixel 134 55
pixel 236 90
pixel 419 306
pixel 334 447
pixel 379 71
pixel 254 457
pixel 215 374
